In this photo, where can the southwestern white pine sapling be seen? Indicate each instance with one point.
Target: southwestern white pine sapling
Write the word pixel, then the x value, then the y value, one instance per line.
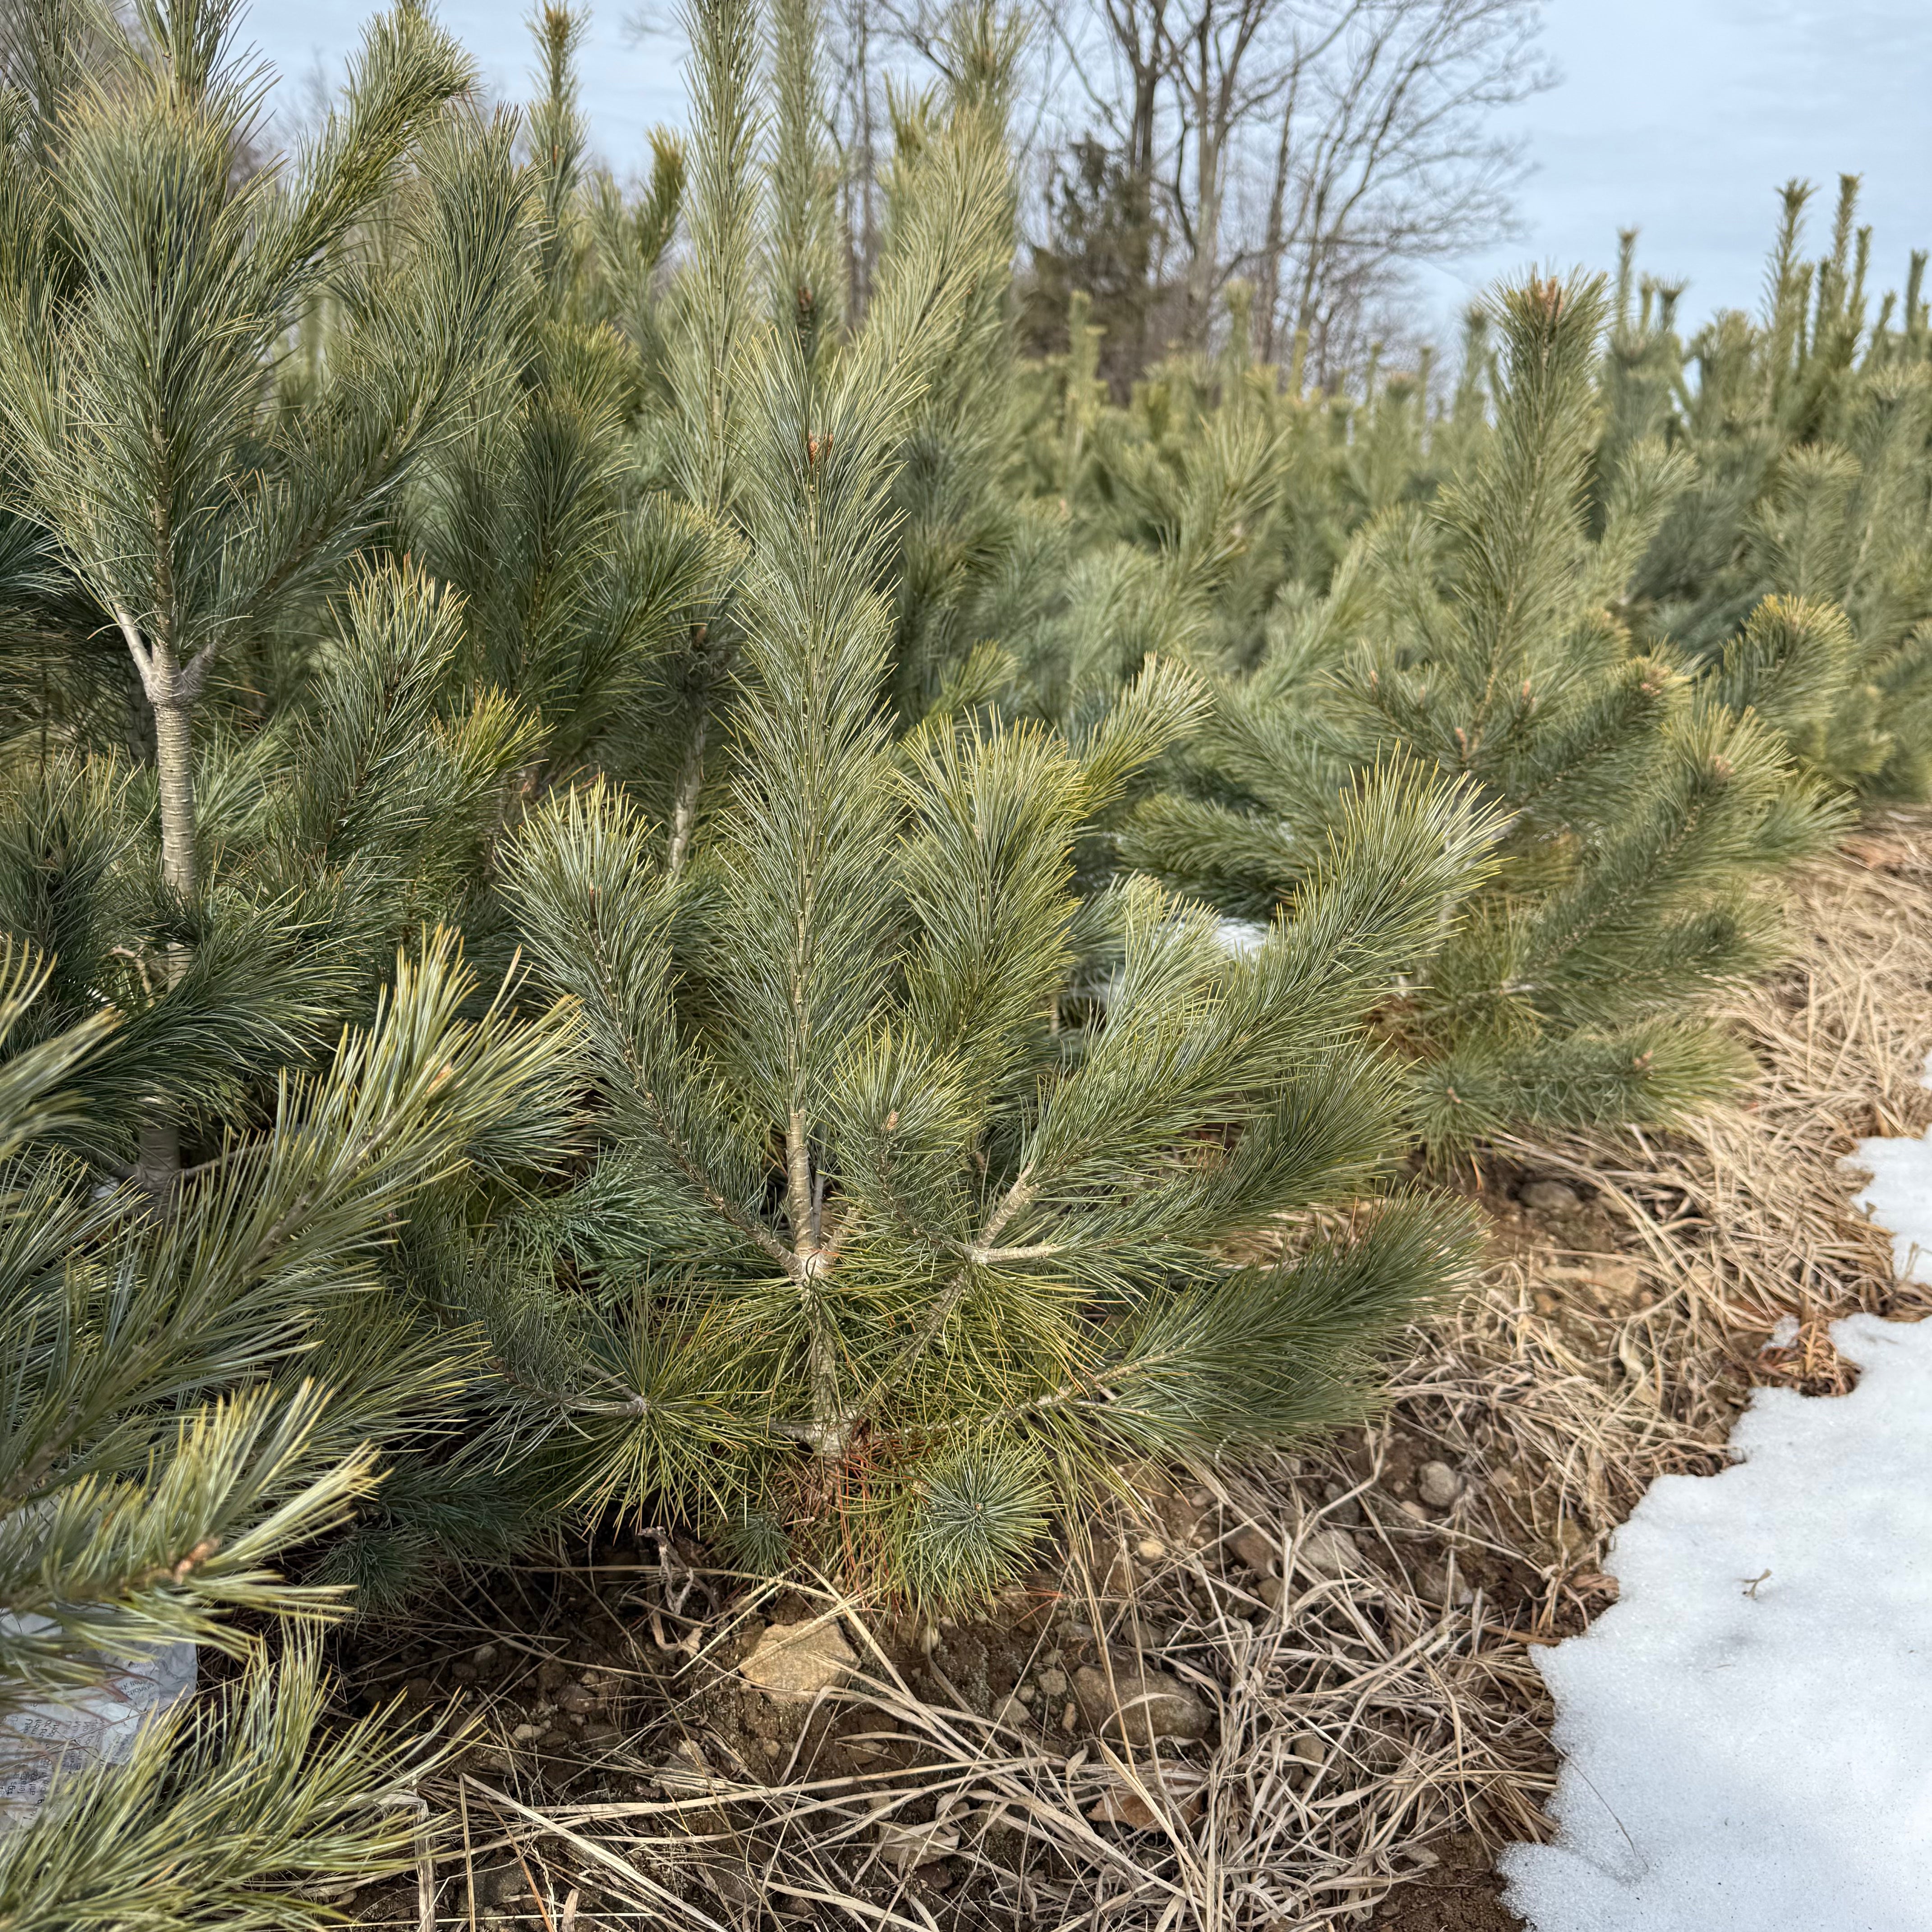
pixel 912 1167
pixel 189 1397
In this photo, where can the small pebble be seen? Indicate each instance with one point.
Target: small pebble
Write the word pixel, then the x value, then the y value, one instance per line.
pixel 1550 1197
pixel 1069 1716
pixel 1053 1682
pixel 1151 1549
pixel 1344 1509
pixel 1255 1547
pixel 1438 1484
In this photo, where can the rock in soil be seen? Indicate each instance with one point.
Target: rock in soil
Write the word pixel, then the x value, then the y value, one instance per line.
pixel 1343 1507
pixel 798 1661
pixel 1438 1484
pixel 1550 1197
pixel 1140 1705
pixel 1325 1553
pixel 1124 1803
pixel 1259 1548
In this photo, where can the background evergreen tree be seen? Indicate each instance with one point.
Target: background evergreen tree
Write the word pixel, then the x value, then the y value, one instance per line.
pixel 1241 485
pixel 1811 431
pixel 1103 239
pixel 1480 637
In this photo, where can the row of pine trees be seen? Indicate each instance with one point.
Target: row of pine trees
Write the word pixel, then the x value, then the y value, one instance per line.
pixel 626 892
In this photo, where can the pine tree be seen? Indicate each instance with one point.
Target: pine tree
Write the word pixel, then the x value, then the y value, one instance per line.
pixel 1210 507
pixel 1793 569
pixel 1097 268
pixel 197 488
pixel 1480 637
pixel 191 1398
pixel 221 371
pixel 574 572
pixel 911 1168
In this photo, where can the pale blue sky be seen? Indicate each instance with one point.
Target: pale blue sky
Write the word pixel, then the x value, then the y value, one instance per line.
pixel 1681 116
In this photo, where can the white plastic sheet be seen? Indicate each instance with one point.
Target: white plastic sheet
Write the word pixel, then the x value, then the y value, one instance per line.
pixel 42 1742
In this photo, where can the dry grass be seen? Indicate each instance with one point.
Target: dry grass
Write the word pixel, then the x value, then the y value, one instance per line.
pixel 1374 1691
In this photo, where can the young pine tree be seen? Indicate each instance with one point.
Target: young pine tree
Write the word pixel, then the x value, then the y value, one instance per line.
pixel 1792 571
pixel 189 1397
pixel 1481 638
pixel 197 489
pixel 202 1356
pixel 574 573
pixel 912 1168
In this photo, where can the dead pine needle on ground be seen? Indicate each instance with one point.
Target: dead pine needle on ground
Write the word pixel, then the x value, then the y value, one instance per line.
pixel 1300 1695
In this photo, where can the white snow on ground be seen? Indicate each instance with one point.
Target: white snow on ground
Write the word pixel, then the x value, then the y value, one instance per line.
pixel 1900 1197
pixel 1748 1733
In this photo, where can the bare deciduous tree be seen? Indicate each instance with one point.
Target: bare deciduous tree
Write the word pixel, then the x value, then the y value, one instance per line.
pixel 854 31
pixel 1317 147
pixel 1386 155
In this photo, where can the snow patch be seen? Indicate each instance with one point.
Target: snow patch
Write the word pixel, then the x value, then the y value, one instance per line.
pixel 1899 1197
pixel 1240 938
pixel 1746 1734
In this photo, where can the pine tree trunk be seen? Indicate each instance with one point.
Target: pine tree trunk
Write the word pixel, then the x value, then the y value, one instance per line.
pixel 690 785
pixel 157 1162
pixel 158 1165
pixel 174 766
